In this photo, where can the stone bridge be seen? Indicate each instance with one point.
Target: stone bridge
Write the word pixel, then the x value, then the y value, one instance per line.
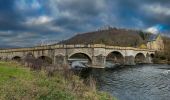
pixel 96 54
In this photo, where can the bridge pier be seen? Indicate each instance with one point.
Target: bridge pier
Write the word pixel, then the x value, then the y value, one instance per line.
pixel 60 60
pixel 129 60
pixel 148 60
pixel 98 61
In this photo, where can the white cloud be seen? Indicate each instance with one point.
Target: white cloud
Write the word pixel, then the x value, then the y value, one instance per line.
pixel 153 30
pixel 43 22
pixel 38 21
pixel 157 9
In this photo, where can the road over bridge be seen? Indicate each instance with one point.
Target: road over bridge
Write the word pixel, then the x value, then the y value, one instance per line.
pixel 96 54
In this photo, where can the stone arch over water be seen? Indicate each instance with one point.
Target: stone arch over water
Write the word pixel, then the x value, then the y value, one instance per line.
pixel 140 58
pixel 115 57
pixel 81 57
pixel 152 55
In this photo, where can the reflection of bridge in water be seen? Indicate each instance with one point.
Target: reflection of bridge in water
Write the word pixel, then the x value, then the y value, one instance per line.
pixel 96 54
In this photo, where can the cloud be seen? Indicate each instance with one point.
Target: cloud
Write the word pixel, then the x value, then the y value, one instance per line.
pixel 26 22
pixel 5 33
pixel 38 20
pixel 157 9
pixel 27 4
pixel 155 29
pixel 77 7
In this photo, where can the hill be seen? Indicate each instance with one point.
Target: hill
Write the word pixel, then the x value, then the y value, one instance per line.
pixel 113 36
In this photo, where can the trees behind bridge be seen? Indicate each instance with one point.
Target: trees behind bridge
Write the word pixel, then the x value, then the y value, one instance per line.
pixel 116 37
pixel 164 56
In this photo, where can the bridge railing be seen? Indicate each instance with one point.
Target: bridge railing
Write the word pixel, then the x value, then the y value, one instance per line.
pixel 48 47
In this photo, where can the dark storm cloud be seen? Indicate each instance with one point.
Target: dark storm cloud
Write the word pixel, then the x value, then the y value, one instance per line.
pixel 8 16
pixel 24 22
pixel 82 7
pixel 75 14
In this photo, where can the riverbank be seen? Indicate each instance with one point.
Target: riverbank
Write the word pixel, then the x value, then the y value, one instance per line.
pixel 159 61
pixel 19 83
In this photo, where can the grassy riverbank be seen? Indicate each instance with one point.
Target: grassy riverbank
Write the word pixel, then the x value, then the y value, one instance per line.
pixel 19 83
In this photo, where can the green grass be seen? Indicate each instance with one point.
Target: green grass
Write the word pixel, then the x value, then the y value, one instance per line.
pixel 10 71
pixel 19 83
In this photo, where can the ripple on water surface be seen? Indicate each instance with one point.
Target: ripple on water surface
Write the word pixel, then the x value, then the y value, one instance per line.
pixel 143 82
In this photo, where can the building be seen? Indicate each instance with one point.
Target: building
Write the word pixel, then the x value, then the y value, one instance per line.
pixel 155 42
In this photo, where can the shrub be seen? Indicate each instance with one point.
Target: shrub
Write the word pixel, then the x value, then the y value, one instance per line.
pixel 47 84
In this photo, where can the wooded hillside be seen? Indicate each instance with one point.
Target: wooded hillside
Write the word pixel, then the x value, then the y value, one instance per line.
pixel 116 37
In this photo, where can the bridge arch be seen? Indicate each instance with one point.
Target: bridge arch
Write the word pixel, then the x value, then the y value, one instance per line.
pixel 140 58
pixel 45 59
pixel 16 58
pixel 115 57
pixel 81 57
pixel 152 55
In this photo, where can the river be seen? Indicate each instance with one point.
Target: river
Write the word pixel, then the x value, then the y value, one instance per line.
pixel 141 82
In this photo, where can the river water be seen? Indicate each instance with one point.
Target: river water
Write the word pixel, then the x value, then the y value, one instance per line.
pixel 141 82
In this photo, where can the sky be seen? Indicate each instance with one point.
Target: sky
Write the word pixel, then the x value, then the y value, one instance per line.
pixel 26 23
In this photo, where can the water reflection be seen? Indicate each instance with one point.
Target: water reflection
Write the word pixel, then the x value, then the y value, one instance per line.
pixel 79 63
